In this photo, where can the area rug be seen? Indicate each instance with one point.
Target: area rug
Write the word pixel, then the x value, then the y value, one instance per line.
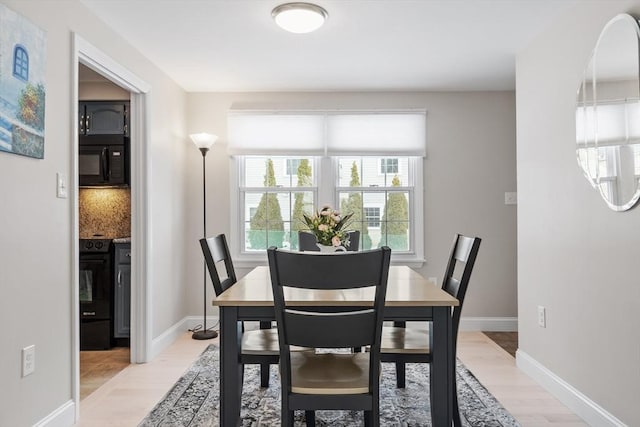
pixel 193 400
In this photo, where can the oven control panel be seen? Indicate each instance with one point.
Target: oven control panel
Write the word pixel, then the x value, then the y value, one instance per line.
pixel 95 245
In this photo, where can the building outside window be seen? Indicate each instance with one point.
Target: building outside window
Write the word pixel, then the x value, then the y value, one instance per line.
pixel 388 166
pixel 372 216
pixel 292 166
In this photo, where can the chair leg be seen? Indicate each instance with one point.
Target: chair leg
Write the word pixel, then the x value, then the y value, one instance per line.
pixel 372 418
pixel 310 418
pixel 400 375
pixel 367 418
pixel 287 417
pixel 264 375
pixel 457 422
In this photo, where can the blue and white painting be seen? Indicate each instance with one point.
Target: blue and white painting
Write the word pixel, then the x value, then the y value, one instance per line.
pixel 22 85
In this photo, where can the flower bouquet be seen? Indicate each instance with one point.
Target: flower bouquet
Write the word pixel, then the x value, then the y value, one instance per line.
pixel 329 227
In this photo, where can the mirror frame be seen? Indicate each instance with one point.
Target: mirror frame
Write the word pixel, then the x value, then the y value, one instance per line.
pixel 589 81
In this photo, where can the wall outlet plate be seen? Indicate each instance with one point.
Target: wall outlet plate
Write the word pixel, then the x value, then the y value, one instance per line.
pixel 28 360
pixel 542 317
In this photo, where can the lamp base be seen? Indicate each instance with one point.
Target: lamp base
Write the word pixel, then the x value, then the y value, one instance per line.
pixel 204 335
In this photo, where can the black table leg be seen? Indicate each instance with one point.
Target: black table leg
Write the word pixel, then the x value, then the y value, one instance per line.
pixel 230 367
pixel 442 367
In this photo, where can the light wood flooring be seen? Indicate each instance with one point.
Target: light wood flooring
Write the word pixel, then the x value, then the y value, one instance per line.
pixel 126 398
pixel 98 367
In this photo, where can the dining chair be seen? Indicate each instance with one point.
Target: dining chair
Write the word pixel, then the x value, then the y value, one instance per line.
pixel 257 346
pixel 329 379
pixel 411 345
pixel 308 242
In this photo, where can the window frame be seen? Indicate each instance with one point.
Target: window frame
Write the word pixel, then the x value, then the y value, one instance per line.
pixel 326 191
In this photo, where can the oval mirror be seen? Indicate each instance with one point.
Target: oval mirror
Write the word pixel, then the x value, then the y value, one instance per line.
pixel 608 114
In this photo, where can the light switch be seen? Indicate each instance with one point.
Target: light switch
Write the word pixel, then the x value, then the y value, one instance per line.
pixel 61 185
pixel 511 198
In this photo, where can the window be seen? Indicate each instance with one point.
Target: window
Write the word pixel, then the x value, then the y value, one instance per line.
pixel 362 190
pixel 21 63
pixel 273 200
pixel 289 163
pixel 372 216
pixel 388 166
pixel 292 166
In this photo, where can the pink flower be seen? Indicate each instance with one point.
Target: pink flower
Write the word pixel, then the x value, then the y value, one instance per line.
pixel 335 241
pixel 323 227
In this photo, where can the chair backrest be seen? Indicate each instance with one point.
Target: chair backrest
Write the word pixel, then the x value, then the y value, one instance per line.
pixel 215 250
pixel 306 326
pixel 458 272
pixel 308 242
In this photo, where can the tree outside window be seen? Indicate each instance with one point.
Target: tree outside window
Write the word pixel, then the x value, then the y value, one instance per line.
pixel 395 221
pixel 297 221
pixel 267 226
pixel 353 204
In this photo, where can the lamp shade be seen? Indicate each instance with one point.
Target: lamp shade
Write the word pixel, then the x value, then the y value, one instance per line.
pixel 299 18
pixel 203 140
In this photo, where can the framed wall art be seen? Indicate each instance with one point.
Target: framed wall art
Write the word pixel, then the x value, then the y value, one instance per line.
pixel 22 85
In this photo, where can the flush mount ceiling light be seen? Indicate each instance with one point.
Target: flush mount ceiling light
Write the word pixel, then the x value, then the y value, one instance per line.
pixel 299 17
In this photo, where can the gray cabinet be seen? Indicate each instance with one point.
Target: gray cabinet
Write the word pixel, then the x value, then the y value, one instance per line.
pixel 122 291
pixel 104 118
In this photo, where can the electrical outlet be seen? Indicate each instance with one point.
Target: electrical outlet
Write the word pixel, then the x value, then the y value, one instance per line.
pixel 542 317
pixel 28 360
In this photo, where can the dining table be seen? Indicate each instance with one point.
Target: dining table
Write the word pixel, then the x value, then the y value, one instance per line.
pixel 410 297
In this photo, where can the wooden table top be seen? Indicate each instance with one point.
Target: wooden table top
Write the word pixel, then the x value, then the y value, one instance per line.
pixel 405 288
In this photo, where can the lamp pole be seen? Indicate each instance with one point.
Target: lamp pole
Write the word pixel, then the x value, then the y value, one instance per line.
pixel 204 142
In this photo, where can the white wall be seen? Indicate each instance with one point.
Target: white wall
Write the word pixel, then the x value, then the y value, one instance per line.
pixel 36 229
pixel 575 256
pixel 470 165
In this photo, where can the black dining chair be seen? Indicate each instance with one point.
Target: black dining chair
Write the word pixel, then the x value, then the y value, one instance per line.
pixel 257 346
pixel 308 242
pixel 411 345
pixel 329 380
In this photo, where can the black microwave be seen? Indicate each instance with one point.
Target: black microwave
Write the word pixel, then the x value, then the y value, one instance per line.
pixel 103 160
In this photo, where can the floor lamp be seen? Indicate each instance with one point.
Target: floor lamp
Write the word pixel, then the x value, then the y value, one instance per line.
pixel 204 141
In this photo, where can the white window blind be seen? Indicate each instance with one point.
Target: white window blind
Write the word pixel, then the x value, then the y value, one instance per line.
pixel 328 133
pixel 273 133
pixel 608 123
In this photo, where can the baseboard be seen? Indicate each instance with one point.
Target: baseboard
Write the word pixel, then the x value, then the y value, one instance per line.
pixel 592 413
pixel 167 338
pixel 64 416
pixel 493 324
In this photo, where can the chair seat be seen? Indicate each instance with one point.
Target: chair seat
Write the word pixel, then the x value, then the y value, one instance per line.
pixel 263 342
pixel 260 341
pixel 404 340
pixel 329 373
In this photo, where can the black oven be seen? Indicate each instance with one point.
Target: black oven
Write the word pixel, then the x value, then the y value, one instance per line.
pixel 103 160
pixel 95 294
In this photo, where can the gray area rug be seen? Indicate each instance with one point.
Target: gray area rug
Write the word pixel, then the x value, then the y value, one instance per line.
pixel 193 400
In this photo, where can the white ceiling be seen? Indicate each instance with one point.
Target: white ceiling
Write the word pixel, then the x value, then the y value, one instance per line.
pixel 366 45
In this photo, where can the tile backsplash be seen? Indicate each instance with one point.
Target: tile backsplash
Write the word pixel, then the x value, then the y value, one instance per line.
pixel 105 211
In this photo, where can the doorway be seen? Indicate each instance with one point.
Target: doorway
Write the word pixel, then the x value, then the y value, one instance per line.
pixel 87 56
pixel 104 225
